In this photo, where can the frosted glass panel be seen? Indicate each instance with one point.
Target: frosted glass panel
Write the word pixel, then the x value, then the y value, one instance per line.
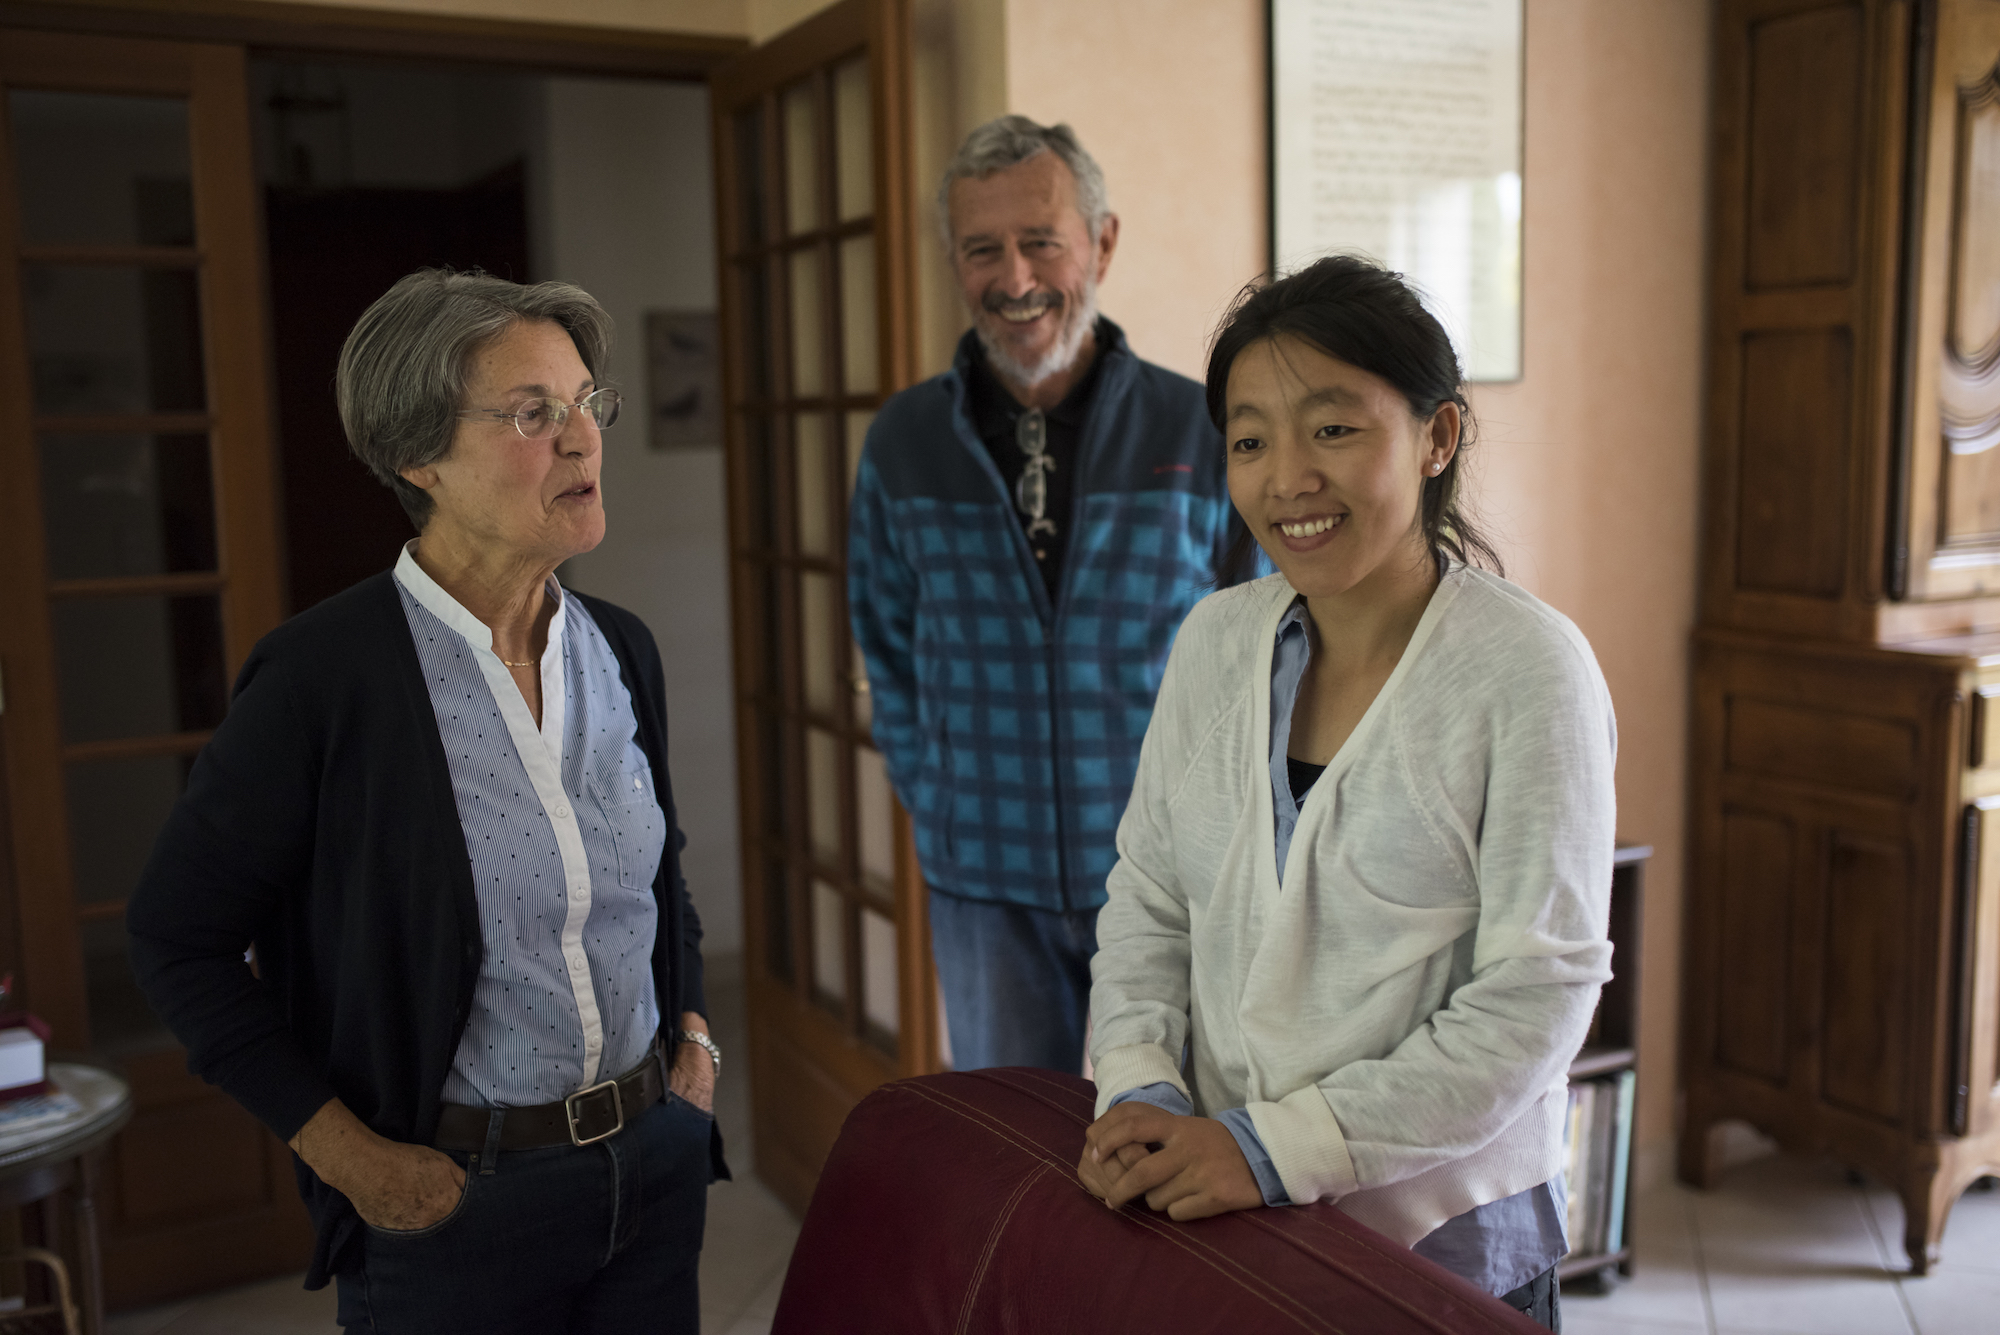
pixel 857 313
pixel 802 206
pixel 854 160
pixel 127 505
pixel 139 666
pixel 808 325
pixel 823 794
pixel 113 339
pixel 829 914
pixel 93 169
pixel 820 659
pixel 878 971
pixel 875 814
pixel 814 471
pixel 857 437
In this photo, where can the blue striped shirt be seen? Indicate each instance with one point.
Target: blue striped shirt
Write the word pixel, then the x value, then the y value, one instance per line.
pixel 564 836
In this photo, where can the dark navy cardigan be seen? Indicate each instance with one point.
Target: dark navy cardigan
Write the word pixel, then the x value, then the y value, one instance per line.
pixel 320 824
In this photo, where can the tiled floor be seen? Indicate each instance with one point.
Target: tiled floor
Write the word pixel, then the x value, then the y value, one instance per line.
pixel 1784 1247
pixel 1787 1247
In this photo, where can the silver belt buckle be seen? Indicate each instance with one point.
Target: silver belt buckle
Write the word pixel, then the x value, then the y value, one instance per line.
pixel 617 1107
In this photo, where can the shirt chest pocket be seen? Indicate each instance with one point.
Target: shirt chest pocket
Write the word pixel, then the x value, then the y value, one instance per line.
pixel 633 816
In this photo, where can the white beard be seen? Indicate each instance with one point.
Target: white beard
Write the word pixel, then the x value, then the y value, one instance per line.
pixel 1062 354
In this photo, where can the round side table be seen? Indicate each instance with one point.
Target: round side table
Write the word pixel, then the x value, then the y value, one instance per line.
pixel 56 1165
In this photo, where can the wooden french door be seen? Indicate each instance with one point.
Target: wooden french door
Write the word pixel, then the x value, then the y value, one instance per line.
pixel 811 135
pixel 138 538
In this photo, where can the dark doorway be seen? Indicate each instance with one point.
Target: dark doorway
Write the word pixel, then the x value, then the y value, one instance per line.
pixel 343 150
pixel 332 253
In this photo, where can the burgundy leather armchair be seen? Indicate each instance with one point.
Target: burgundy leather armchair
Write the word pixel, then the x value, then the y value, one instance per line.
pixel 950 1204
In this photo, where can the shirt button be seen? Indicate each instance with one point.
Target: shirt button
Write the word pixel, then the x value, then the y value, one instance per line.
pixel 562 813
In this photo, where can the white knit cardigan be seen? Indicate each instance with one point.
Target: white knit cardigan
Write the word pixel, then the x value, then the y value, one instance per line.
pixel 1399 1014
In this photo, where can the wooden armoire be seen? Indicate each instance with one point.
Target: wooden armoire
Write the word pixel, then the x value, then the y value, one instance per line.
pixel 1843 986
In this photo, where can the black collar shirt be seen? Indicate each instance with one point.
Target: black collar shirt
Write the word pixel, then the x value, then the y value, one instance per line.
pixel 996 416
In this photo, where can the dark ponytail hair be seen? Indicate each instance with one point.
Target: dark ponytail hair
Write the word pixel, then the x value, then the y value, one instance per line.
pixel 1355 311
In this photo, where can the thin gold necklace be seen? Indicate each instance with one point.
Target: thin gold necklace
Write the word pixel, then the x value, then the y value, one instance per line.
pixel 529 663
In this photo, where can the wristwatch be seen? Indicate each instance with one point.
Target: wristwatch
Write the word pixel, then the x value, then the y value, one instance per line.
pixel 714 1053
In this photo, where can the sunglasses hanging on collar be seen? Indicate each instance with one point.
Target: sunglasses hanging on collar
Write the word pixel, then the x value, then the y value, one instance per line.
pixel 1031 492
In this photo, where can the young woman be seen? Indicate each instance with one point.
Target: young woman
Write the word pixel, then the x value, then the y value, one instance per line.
pixel 1364 876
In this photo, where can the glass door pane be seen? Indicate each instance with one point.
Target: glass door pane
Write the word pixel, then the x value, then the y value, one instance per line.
pixel 111 291
pixel 101 170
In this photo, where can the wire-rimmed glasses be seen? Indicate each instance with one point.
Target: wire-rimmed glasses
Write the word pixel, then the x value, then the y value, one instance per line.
pixel 540 418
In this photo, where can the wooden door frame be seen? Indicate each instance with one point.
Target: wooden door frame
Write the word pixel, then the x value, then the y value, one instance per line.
pixel 338 30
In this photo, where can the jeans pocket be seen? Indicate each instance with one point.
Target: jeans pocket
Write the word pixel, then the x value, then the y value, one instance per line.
pixel 675 1100
pixel 431 1230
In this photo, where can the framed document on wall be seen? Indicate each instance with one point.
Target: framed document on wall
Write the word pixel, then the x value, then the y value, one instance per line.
pixel 1396 133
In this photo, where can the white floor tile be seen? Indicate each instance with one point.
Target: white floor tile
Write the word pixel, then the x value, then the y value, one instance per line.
pixel 749 1239
pixel 144 1320
pixel 1808 1302
pixel 1574 1323
pixel 1664 1288
pixel 1955 1302
pixel 765 1304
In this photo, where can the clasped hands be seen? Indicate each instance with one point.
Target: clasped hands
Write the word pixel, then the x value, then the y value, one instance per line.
pixel 1189 1167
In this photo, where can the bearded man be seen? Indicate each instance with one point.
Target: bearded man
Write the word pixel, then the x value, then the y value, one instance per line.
pixel 1028 530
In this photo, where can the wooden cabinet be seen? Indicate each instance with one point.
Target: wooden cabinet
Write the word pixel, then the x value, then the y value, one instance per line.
pixel 1844 902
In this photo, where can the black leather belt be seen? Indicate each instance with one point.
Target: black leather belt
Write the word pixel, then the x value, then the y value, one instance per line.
pixel 591 1114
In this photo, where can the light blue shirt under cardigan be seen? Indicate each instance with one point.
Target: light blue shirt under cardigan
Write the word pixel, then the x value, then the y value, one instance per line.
pixel 564 835
pixel 1498 1246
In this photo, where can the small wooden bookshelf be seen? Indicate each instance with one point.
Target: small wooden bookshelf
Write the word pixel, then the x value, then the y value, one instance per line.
pixel 1604 1085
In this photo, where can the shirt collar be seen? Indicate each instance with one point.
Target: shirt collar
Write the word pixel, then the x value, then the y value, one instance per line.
pixel 1294 618
pixel 430 595
pixel 994 407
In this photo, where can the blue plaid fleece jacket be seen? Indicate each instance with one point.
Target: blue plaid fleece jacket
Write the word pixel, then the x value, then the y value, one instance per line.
pixel 1012 727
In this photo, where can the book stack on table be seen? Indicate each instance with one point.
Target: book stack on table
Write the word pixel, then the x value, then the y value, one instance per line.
pixel 29 1100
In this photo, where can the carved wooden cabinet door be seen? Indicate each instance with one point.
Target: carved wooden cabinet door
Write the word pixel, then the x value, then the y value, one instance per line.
pixel 1954 352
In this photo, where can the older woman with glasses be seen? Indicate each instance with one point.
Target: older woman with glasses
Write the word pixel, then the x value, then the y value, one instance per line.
pixel 438 815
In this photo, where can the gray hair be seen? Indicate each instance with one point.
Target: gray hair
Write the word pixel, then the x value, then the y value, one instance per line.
pixel 1007 141
pixel 404 368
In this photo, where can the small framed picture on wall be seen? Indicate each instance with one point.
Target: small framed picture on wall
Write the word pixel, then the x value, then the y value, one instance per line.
pixel 683 380
pixel 1396 133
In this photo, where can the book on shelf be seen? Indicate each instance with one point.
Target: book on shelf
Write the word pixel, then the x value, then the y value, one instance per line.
pixel 1597 1166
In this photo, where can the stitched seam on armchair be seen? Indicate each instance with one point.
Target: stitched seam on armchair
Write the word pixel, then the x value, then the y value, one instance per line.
pixel 1397 1255
pixel 966 1311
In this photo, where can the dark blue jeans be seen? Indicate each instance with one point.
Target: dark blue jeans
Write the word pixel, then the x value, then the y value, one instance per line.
pixel 1016 982
pixel 572 1240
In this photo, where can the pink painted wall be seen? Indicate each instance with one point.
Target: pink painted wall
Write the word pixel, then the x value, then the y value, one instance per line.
pixel 1168 96
pixel 1591 461
pixel 1588 469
